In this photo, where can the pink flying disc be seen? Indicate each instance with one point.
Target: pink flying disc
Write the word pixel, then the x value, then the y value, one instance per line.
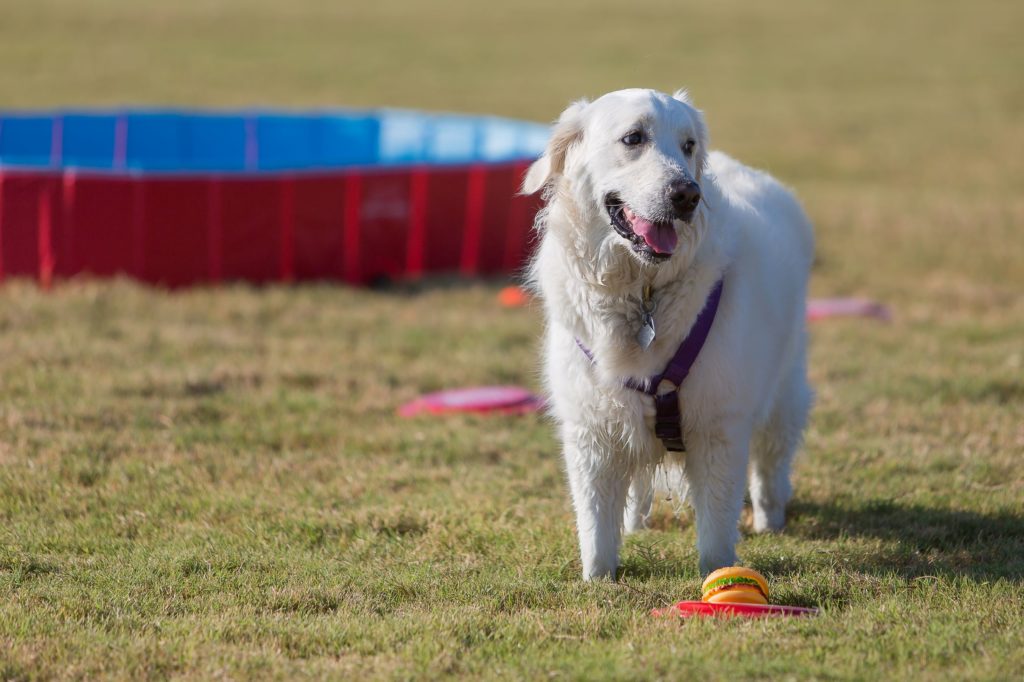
pixel 497 399
pixel 821 308
pixel 690 609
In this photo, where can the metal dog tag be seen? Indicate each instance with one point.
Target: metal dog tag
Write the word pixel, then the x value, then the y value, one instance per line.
pixel 645 336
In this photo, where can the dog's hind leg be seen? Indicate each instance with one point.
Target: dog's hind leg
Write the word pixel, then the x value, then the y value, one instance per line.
pixel 772 450
pixel 639 501
pixel 598 482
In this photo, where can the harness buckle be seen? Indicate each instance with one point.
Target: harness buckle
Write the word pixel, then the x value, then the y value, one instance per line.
pixel 667 424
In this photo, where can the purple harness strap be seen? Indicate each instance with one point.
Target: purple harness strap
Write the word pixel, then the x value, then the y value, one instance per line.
pixel 667 420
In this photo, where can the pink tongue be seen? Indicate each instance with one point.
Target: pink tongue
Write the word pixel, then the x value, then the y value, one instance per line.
pixel 659 236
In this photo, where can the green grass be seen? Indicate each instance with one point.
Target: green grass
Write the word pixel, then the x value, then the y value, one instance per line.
pixel 213 483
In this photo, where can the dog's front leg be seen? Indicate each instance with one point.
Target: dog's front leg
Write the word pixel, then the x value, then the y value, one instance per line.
pixel 716 470
pixel 598 482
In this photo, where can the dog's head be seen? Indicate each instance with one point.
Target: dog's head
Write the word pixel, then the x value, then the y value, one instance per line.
pixel 632 163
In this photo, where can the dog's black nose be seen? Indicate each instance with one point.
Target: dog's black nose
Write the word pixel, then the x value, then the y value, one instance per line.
pixel 684 195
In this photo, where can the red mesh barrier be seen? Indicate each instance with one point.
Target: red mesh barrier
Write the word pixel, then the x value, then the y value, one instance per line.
pixel 384 213
pixel 175 232
pixel 250 244
pixel 445 219
pixel 100 232
pixel 19 225
pixel 317 207
pixel 352 226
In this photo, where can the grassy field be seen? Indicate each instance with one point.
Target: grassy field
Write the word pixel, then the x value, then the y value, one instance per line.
pixel 213 483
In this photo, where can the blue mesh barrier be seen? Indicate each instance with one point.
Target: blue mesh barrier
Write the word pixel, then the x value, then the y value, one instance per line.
pixel 156 141
pixel 26 140
pixel 88 141
pixel 215 143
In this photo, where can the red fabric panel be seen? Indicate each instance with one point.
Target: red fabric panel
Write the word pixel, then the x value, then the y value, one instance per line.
pixel 214 230
pixel 20 205
pixel 384 225
pixel 138 204
pixel 1 227
pixel 418 201
pixel 61 256
pixel 476 187
pixel 353 189
pixel 446 218
pixel 45 232
pixel 500 187
pixel 286 223
pixel 251 237
pixel 99 239
pixel 63 243
pixel 319 219
pixel 520 238
pixel 355 227
pixel 175 228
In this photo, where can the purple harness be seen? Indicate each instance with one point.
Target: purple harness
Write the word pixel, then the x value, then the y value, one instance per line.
pixel 667 420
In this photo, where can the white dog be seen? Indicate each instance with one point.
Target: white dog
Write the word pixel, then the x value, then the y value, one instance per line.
pixel 642 225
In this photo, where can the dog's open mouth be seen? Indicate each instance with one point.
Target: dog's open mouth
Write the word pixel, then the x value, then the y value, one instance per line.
pixel 653 240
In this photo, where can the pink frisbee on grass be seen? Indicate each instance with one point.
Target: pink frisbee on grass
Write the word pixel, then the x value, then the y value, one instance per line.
pixel 479 399
pixel 823 308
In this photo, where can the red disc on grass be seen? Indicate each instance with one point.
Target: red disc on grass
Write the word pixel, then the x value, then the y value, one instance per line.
pixel 689 609
pixel 499 399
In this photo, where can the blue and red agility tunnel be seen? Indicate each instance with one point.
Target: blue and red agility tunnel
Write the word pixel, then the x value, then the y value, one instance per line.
pixel 176 198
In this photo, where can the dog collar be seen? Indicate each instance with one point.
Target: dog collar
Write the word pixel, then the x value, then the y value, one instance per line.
pixel 668 421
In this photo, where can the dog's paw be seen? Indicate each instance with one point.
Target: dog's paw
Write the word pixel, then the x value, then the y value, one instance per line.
pixel 600 568
pixel 599 574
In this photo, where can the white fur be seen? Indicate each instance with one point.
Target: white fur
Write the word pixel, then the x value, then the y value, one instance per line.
pixel 746 399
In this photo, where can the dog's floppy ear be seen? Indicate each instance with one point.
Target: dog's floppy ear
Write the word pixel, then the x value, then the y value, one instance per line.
pixel 700 127
pixel 567 132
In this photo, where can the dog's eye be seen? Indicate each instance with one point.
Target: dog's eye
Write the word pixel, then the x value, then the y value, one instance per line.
pixel 688 147
pixel 633 139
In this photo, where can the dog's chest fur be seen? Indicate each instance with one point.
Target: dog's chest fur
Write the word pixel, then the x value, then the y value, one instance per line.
pixel 676 305
pixel 602 308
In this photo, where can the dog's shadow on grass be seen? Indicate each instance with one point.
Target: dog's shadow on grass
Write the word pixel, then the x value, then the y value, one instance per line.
pixel 918 540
